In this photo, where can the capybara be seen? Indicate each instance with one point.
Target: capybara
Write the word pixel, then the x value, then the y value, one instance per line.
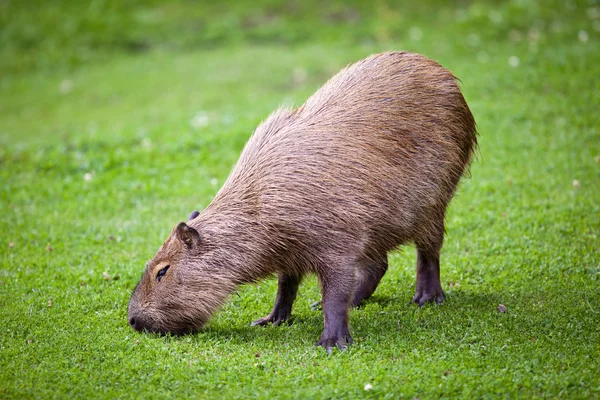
pixel 368 163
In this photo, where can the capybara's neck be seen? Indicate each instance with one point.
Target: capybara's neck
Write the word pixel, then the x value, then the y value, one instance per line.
pixel 233 242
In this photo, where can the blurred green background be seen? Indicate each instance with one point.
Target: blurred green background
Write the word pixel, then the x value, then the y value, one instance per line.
pixel 66 34
pixel 118 118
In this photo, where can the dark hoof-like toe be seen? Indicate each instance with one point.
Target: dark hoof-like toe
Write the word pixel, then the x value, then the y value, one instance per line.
pixel 424 297
pixel 273 318
pixel 341 342
pixel 261 321
pixel 341 348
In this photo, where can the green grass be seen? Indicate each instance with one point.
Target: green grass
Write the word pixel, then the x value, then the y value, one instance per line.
pixel 116 121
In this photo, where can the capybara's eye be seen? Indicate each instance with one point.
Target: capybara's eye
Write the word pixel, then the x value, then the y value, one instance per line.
pixel 162 273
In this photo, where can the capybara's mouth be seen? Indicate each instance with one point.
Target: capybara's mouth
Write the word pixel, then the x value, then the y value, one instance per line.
pixel 140 325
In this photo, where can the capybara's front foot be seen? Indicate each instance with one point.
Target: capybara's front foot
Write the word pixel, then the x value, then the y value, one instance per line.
pixel 282 310
pixel 276 317
pixel 340 338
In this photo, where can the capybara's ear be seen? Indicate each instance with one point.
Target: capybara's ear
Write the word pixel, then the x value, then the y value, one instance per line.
pixel 188 235
pixel 193 215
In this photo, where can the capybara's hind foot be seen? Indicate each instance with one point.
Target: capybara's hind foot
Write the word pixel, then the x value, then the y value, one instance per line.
pixel 429 287
pixel 428 296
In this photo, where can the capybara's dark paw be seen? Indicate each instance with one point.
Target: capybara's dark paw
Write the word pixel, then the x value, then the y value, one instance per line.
pixel 277 317
pixel 341 340
pixel 423 297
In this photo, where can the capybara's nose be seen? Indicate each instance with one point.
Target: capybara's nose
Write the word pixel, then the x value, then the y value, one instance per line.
pixel 134 324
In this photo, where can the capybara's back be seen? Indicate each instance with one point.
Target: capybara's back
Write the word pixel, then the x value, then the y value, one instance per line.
pixel 368 163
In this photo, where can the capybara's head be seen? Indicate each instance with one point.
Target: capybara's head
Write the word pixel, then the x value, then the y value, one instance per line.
pixel 179 289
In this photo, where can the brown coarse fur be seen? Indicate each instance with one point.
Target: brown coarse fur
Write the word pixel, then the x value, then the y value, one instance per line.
pixel 368 163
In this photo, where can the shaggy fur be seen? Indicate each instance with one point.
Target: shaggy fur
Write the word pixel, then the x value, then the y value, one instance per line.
pixel 368 163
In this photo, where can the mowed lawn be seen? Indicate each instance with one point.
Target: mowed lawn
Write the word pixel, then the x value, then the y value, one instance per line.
pixel 117 121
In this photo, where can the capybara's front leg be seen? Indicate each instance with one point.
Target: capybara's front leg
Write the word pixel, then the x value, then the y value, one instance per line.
pixel 368 276
pixel 337 288
pixel 286 294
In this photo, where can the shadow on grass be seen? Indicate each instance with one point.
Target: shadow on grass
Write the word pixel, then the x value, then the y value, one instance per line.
pixel 466 319
pixel 390 313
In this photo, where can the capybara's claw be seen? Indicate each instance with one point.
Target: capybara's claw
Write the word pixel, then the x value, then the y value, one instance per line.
pixel 422 298
pixel 329 349
pixel 275 318
pixel 261 321
pixel 342 342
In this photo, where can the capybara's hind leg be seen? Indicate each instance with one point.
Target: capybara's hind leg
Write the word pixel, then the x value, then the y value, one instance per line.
pixel 368 277
pixel 286 294
pixel 337 282
pixel 367 280
pixel 429 287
